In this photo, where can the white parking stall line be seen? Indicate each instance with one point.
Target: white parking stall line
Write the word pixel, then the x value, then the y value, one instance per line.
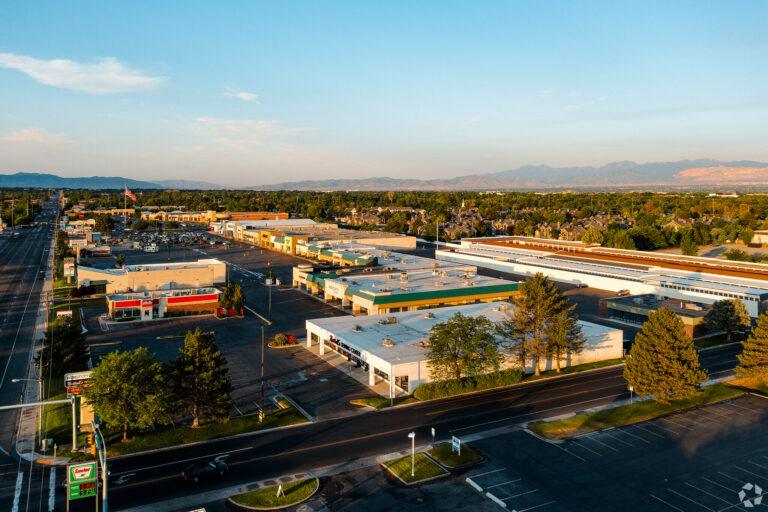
pixel 751 473
pixel 626 431
pixel 591 438
pixel 504 483
pixel 713 482
pixel 536 506
pixel 581 445
pixel 665 428
pixel 487 473
pixel 566 450
pixel 691 500
pixel 758 465
pixel 741 481
pixel 708 417
pixel 666 503
pixel 708 493
pixel 613 435
pixel 678 424
pixel 519 494
pixel 741 407
pixel 649 431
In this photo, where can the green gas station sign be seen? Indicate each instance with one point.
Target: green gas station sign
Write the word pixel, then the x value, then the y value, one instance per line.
pixel 81 480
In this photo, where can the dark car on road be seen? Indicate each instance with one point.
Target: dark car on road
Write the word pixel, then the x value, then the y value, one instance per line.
pixel 201 470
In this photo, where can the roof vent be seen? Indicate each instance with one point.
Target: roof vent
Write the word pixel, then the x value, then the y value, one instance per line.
pixel 388 342
pixel 357 328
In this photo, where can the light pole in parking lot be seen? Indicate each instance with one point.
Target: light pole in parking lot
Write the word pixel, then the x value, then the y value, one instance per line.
pixel 412 436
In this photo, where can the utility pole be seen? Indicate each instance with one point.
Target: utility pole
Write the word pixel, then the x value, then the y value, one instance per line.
pixel 262 360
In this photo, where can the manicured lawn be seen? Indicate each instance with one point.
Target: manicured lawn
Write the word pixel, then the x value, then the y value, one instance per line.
pixel 425 468
pixel 380 402
pixel 294 493
pixel 165 437
pixel 758 386
pixel 629 414
pixel 443 454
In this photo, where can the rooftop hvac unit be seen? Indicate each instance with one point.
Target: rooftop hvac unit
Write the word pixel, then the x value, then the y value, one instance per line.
pixel 390 276
pixel 439 283
pixel 435 272
pixel 429 314
pixel 403 276
pixel 469 283
pixel 388 342
pixel 391 320
pixel 357 328
pixel 404 289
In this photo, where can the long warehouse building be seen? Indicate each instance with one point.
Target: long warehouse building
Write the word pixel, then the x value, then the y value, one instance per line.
pixel 704 280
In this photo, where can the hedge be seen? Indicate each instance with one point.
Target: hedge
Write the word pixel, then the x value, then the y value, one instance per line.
pixel 444 388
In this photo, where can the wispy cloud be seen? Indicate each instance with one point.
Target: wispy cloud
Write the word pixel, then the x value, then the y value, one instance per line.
pixel 244 133
pixel 249 97
pixel 104 76
pixel 35 137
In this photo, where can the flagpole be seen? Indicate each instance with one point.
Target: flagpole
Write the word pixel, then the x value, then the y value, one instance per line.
pixel 125 206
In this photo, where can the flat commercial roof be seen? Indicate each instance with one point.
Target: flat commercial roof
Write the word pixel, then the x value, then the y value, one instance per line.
pixel 651 303
pixel 203 263
pixel 746 270
pixel 156 294
pixel 424 284
pixel 410 331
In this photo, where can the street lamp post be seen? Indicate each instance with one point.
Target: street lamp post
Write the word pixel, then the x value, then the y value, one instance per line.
pixel 631 393
pixel 412 436
pixel 40 407
pixel 101 449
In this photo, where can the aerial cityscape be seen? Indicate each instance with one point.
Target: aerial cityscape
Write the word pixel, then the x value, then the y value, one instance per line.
pixel 397 256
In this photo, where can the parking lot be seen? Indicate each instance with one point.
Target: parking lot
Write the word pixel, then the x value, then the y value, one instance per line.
pixel 303 376
pixel 697 460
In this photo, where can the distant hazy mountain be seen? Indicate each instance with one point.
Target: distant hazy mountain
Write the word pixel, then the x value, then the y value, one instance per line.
pixel 682 174
pixel 40 180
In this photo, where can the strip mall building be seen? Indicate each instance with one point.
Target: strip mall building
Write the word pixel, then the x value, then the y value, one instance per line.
pixel 156 276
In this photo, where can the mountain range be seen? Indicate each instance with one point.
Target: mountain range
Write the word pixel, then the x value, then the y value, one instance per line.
pixel 41 180
pixel 679 175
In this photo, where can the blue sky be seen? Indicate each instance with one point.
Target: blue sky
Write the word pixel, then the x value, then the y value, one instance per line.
pixel 247 93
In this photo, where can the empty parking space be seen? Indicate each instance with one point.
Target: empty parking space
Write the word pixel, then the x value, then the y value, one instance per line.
pixel 507 489
pixel 712 458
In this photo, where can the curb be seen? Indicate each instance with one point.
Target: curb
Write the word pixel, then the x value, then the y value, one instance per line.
pixel 238 506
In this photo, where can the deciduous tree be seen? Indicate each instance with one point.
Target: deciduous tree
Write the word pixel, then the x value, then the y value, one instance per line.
pixel 130 389
pixel 564 336
pixel 463 346
pixel 663 362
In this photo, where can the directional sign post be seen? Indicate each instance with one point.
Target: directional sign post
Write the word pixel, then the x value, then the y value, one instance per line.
pixel 81 481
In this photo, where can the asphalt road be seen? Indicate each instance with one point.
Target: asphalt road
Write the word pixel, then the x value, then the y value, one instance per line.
pixel 21 261
pixel 288 451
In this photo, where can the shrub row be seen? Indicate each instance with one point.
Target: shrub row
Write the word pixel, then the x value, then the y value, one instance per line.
pixel 444 388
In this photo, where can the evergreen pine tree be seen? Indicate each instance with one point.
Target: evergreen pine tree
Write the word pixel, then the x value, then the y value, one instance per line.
pixel 203 385
pixel 753 360
pixel 663 362
pixel 537 304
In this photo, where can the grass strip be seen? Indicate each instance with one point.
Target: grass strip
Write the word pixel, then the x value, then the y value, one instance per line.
pixel 380 402
pixel 630 413
pixel 267 498
pixel 424 468
pixel 444 454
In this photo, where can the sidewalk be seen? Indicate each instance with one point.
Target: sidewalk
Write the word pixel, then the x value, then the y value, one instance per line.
pixel 27 429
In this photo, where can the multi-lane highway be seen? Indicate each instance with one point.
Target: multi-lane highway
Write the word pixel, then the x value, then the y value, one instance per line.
pixel 23 262
pixel 155 476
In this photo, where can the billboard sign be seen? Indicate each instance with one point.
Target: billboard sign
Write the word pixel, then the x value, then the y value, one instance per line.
pixel 81 480
pixel 76 382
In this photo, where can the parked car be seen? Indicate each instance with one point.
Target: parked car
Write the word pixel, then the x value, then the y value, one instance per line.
pixel 201 470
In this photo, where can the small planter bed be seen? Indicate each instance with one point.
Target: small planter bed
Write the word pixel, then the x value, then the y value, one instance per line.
pixel 425 469
pixel 267 498
pixel 443 455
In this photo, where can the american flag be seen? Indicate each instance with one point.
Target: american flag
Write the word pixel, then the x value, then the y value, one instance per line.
pixel 130 194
